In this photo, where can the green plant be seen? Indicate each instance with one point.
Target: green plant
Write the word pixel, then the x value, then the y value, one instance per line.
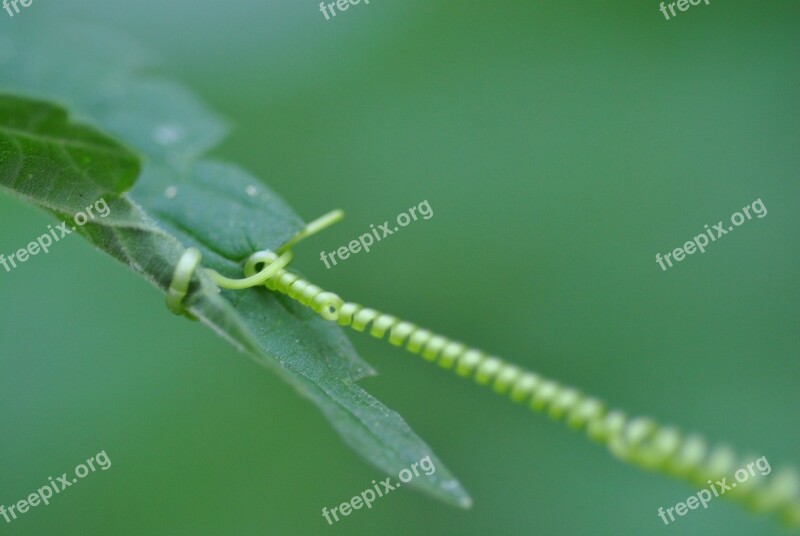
pixel 59 165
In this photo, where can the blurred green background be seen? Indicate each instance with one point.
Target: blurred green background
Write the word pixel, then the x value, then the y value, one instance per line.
pixel 561 146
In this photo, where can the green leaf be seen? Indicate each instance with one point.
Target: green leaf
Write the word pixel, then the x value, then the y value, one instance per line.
pixel 214 206
pixel 41 151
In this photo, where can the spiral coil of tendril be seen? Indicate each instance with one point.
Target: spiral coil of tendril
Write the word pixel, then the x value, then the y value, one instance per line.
pixel 637 440
pixel 640 441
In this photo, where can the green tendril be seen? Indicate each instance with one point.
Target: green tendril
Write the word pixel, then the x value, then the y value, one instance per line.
pixel 637 440
pixel 181 280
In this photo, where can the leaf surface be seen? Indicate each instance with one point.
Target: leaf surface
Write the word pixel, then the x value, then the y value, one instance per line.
pixel 182 199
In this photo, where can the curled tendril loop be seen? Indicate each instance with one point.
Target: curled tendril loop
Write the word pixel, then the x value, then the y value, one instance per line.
pixel 640 441
pixel 181 280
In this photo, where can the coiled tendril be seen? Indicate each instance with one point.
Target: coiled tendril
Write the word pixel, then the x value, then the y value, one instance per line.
pixel 640 441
